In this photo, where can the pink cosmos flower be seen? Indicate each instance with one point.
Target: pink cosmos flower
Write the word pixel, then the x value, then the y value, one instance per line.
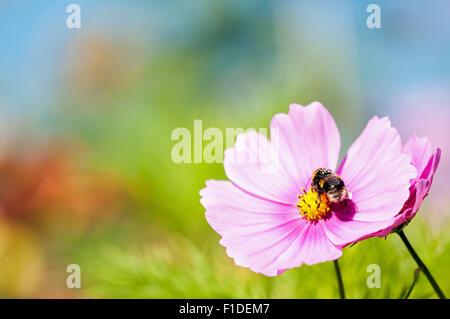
pixel 426 163
pixel 269 224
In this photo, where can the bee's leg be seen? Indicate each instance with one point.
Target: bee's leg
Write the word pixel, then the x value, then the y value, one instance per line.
pixel 320 199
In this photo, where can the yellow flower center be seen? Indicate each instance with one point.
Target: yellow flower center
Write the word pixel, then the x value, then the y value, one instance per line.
pixel 312 205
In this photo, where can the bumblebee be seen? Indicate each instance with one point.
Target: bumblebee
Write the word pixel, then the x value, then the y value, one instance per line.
pixel 325 181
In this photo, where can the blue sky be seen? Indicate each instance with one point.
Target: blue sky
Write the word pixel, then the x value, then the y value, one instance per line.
pixel 410 50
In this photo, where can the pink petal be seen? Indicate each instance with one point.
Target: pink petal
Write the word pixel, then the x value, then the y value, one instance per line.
pixel 419 150
pixel 418 191
pixel 414 201
pixel 310 247
pixel 429 170
pixel 377 172
pixel 264 235
pixel 308 138
pixel 254 166
pixel 423 185
pixel 342 230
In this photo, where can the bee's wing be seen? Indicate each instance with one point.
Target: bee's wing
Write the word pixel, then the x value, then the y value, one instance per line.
pixel 349 194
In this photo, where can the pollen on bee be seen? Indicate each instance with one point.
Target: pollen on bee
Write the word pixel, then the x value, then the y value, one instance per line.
pixel 313 205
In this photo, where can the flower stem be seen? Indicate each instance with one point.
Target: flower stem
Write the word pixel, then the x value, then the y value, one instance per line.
pixel 339 279
pixel 421 265
pixel 416 277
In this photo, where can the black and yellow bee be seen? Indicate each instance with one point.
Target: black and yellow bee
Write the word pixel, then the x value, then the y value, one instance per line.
pixel 325 181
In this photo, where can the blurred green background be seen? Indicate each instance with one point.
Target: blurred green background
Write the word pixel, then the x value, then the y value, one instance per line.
pixel 86 116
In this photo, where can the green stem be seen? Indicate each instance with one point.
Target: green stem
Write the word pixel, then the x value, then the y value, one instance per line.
pixel 339 279
pixel 416 277
pixel 421 265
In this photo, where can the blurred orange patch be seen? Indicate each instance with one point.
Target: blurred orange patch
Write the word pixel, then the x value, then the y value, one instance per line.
pixel 51 181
